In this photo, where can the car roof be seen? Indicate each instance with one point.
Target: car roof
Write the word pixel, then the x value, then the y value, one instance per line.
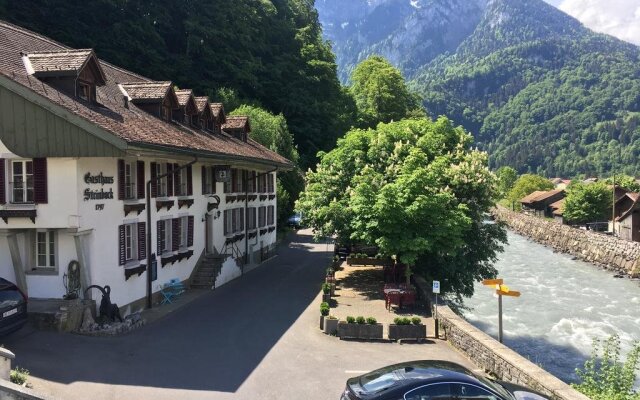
pixel 414 374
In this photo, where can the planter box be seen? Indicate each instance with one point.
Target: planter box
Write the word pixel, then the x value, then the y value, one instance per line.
pixel 326 298
pixel 367 261
pixel 416 332
pixel 322 322
pixel 359 331
pixel 331 326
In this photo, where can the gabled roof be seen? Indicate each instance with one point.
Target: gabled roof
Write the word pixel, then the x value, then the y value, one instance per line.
pixel 540 195
pixel 217 109
pixel 237 123
pixel 63 62
pixel 557 207
pixel 186 100
pixel 147 91
pixel 530 197
pixel 202 102
pixel 128 127
pixel 635 198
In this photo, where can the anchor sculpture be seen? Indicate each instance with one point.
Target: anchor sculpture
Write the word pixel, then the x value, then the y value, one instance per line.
pixel 107 308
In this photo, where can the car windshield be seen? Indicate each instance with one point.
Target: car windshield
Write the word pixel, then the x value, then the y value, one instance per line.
pixel 496 387
pixel 378 380
pixel 9 297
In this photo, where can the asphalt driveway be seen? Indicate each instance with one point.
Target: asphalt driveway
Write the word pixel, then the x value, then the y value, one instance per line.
pixel 255 337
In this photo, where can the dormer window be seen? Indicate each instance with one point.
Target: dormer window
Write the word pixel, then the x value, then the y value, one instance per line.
pixel 238 127
pixel 74 72
pixel 188 111
pixel 157 98
pixel 205 119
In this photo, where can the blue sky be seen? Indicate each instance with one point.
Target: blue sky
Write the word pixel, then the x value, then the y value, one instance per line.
pixel 620 18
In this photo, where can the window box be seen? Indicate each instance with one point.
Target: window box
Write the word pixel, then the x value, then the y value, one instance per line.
pixel 252 197
pixel 185 202
pixel 272 196
pixel 30 213
pixel 263 197
pixel 184 254
pixel 168 258
pixel 251 235
pixel 271 228
pixel 138 269
pixel 359 331
pixel 165 203
pixel 230 199
pixel 414 332
pixel 133 207
pixel 241 197
pixel 263 231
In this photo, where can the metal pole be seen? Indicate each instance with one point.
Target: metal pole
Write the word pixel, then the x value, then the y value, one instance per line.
pixel 436 319
pixel 500 318
pixel 613 217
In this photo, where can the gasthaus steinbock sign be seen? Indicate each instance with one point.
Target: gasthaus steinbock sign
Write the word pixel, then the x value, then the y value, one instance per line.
pixel 98 194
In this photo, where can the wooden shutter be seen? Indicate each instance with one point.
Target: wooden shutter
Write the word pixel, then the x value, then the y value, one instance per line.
pixel 234 180
pixel 3 183
pixel 190 231
pixel 120 179
pixel 154 179
pixel 140 179
pixel 189 181
pixel 177 180
pixel 169 180
pixel 142 241
pixel 213 179
pixel 203 179
pixel 40 191
pixel 226 218
pixel 122 256
pixel 175 234
pixel 159 236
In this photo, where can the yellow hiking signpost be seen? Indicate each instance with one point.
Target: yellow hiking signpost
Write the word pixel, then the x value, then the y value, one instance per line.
pixel 501 290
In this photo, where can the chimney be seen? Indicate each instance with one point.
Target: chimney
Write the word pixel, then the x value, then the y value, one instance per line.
pixel 125 99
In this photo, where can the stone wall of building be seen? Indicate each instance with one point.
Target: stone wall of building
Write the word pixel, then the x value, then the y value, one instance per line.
pixel 501 361
pixel 609 252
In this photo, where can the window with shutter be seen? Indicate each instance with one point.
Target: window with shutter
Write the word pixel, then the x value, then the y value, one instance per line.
pixel 184 232
pixel 3 184
pixel 142 241
pixel 121 182
pixel 122 259
pixel 40 184
pixel 153 170
pixel 190 231
pixel 175 231
pixel 22 182
pixel 169 181
pixel 189 178
pixel 165 244
pixel 140 179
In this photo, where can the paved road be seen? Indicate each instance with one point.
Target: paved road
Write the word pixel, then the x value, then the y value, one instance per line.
pixel 255 337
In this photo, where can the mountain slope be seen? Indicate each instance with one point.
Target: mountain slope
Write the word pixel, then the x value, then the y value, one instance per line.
pixel 539 91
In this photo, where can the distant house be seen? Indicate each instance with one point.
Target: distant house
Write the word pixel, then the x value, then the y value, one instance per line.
pixel 627 213
pixel 560 183
pixel 557 210
pixel 539 202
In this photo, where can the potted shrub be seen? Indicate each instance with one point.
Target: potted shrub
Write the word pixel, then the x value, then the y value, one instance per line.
pixel 331 325
pixel 360 328
pixel 324 311
pixel 326 292
pixel 405 328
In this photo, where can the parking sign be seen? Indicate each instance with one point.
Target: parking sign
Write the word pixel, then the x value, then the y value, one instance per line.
pixel 436 287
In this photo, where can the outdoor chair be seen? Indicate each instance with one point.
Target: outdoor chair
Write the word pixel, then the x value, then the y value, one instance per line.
pixel 393 298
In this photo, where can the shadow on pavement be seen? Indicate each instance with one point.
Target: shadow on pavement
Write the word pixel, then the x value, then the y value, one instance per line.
pixel 212 344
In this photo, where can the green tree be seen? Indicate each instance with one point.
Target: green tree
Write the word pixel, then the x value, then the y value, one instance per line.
pixel 525 185
pixel 625 181
pixel 507 177
pixel 272 132
pixel 415 189
pixel 587 202
pixel 605 377
pixel 380 92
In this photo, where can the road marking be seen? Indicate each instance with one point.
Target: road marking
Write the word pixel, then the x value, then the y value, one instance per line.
pixel 355 372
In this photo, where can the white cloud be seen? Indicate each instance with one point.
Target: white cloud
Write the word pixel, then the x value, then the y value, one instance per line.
pixel 619 18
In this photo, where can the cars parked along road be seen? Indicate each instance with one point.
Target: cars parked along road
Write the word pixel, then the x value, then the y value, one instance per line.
pixel 13 307
pixel 431 380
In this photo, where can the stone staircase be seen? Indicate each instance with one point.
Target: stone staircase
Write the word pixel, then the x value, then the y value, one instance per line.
pixel 207 270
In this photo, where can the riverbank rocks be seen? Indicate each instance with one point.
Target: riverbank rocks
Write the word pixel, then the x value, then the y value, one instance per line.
pixel 612 253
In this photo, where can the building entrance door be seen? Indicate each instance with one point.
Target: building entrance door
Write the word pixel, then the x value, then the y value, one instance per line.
pixel 209 239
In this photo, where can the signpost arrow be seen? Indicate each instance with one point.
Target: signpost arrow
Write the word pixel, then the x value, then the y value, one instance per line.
pixel 501 290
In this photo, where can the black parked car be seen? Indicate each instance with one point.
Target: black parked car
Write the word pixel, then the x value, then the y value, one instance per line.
pixel 431 380
pixel 13 307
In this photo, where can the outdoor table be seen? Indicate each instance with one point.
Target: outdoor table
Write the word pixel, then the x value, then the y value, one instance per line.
pixel 394 294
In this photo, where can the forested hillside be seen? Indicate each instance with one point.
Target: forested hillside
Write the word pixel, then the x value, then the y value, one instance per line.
pixel 269 53
pixel 539 91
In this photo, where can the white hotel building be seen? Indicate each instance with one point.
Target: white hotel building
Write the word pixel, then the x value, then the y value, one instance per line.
pixel 80 139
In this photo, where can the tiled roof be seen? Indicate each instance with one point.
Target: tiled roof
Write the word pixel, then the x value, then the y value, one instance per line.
pixel 217 109
pixel 558 207
pixel 146 90
pixel 201 102
pixel 540 195
pixel 183 96
pixel 131 124
pixel 635 197
pixel 235 123
pixel 531 197
pixel 65 60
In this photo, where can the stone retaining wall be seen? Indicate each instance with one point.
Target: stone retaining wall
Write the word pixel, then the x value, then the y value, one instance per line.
pixel 11 391
pixel 500 360
pixel 609 252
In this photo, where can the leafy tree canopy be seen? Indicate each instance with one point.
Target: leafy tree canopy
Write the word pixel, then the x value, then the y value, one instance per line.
pixel 624 181
pixel 380 92
pixel 525 185
pixel 507 177
pixel 417 190
pixel 587 202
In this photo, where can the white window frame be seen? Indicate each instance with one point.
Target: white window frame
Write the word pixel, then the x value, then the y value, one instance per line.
pixel 182 188
pixel 130 176
pixel 208 180
pixel 167 240
pixel 130 242
pixel 50 249
pixel 27 189
pixel 262 219
pixel 163 188
pixel 184 232
pixel 251 218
